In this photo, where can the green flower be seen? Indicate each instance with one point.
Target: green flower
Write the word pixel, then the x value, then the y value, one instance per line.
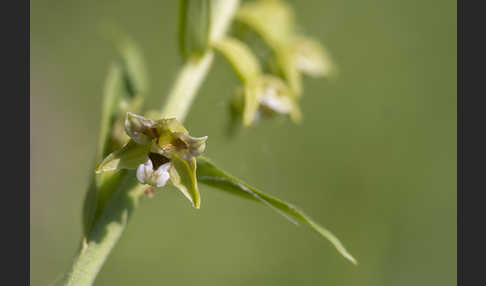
pixel 161 151
pixel 267 96
pixel 261 93
pixel 294 53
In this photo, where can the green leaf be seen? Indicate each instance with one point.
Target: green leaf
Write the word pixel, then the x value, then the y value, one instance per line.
pixel 128 157
pixel 112 93
pixel 211 175
pixel 194 24
pixel 183 176
pixel 241 58
pixel 100 190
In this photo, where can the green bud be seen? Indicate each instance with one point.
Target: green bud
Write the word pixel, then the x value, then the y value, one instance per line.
pixel 194 25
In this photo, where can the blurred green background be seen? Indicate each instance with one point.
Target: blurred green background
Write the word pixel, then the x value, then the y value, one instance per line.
pixel 374 160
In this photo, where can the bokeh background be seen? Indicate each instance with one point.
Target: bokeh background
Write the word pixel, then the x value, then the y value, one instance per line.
pixel 374 160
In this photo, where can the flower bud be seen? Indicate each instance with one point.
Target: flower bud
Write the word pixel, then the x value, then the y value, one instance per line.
pixel 139 128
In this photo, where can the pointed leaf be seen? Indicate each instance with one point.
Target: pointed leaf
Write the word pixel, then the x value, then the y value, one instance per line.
pixel 211 175
pixel 111 97
pixel 241 58
pixel 128 157
pixel 183 176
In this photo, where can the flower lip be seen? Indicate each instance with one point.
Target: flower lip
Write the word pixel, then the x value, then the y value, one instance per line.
pixel 272 100
pixel 157 177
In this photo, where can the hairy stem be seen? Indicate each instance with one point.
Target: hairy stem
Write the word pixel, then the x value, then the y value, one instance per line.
pixel 109 227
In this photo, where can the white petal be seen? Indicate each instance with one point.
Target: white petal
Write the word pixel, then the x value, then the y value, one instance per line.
pixel 280 104
pixel 161 176
pixel 144 171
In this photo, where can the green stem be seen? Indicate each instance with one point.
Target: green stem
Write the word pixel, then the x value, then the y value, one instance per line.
pixel 109 227
pixel 195 70
pixel 185 88
pixel 105 233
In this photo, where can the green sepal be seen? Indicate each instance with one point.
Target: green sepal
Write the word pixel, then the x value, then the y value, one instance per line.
pixel 211 175
pixel 139 128
pixel 312 58
pixel 273 20
pixel 194 25
pixel 172 125
pixel 128 157
pixel 286 62
pixel 241 58
pixel 251 102
pixel 183 176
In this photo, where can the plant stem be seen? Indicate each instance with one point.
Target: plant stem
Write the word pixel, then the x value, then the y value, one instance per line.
pixel 195 70
pixel 105 233
pixel 109 227
pixel 186 86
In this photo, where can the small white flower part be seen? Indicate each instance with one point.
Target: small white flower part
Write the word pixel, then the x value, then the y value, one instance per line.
pixel 144 171
pixel 280 104
pixel 157 178
pixel 161 175
pixel 310 66
pixel 312 58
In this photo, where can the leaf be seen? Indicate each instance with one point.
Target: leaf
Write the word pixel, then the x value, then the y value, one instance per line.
pixel 100 190
pixel 241 58
pixel 128 157
pixel 111 98
pixel 211 175
pixel 183 176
